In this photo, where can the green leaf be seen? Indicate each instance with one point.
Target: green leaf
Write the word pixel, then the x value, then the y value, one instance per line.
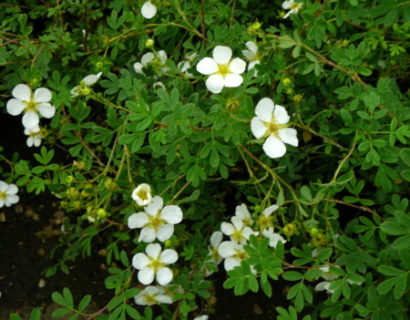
pixel 405 156
pixel 85 301
pixel 392 228
pixel 292 275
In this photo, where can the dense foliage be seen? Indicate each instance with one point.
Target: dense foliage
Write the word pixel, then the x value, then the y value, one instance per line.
pixel 132 101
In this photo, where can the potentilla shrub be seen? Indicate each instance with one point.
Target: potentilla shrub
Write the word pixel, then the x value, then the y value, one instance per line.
pixel 264 139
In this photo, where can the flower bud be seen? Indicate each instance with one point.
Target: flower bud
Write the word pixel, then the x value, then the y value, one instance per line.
pixel 287 82
pixel 254 27
pixel 69 179
pixel 232 104
pixel 102 213
pixel 289 229
pixel 149 43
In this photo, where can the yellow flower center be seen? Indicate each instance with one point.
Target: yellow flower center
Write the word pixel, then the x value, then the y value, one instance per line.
pixel 3 195
pixel 223 69
pixel 155 264
pixel 265 222
pixel 296 6
pixel 30 106
pixel 150 299
pixel 237 235
pixel 143 194
pixel 273 127
pixel 214 254
pixel 156 222
pixel 240 255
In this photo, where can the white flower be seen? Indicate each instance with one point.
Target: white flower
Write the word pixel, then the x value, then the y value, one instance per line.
pixel 324 286
pixel 158 60
pixel 148 10
pixel 85 84
pixel 251 54
pixel 31 104
pixel 153 264
pixel 152 295
pixel 203 317
pixel 233 253
pixel 8 194
pixel 216 239
pixel 270 122
pixel 185 65
pixel 265 220
pixel 291 5
pixel 222 71
pixel 237 231
pixel 142 194
pixel 34 136
pixel 242 213
pixel 327 274
pixel 273 237
pixel 156 221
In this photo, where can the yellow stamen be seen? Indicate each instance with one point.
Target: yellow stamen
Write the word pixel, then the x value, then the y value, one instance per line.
pixel 3 195
pixel 223 69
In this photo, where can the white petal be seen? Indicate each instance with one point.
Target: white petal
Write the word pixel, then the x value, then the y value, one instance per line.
pixel 289 136
pixel 165 232
pixel 172 214
pixel 215 83
pixel 12 189
pixel 91 79
pixel 30 119
pixel 163 298
pixel 22 92
pixel 3 186
pixel 1 203
pixel 137 220
pixel 252 65
pixel 231 263
pixel 36 141
pixel 138 67
pixel 147 58
pixel 154 206
pixel 153 250
pixel 251 45
pixel 169 256
pixel 233 80
pixel 264 109
pixel 216 239
pixel 42 95
pixel 258 128
pixel 140 300
pixel 162 56
pixel 146 276
pixel 30 142
pixel 15 107
pixel 46 110
pixel 147 234
pixel 280 114
pixel 268 211
pixel 274 147
pixel 148 10
pixel 227 249
pixel 207 66
pixel 164 276
pixel 222 54
pixel 287 4
pixel 140 261
pixel 11 199
pixel 227 228
pixel 248 54
pixel 237 66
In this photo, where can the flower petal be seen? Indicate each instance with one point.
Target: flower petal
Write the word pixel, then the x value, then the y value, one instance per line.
pixel 280 114
pixel 163 298
pixel 11 199
pixel 237 66
pixel 172 214
pixel 264 109
pixel 227 249
pixel 138 67
pixel 274 147
pixel 169 256
pixel 42 95
pixel 154 206
pixel 30 119
pixel 258 128
pixel 46 110
pixel 153 250
pixel 289 136
pixel 137 220
pixel 268 211
pixel 233 80
pixel 216 239
pixel 3 186
pixel 91 79
pixel 148 10
pixel 207 66
pixel 15 106
pixel 162 56
pixel 147 58
pixel 227 228
pixel 231 263
pixel 22 92
pixel 147 234
pixel 12 189
pixel 165 232
pixel 164 276
pixel 215 83
pixel 140 261
pixel 146 276
pixel 252 46
pixel 222 54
